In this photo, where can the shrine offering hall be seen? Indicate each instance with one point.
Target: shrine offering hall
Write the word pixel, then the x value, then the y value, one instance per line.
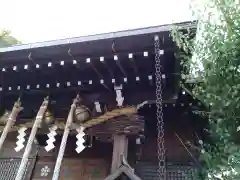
pixel 99 107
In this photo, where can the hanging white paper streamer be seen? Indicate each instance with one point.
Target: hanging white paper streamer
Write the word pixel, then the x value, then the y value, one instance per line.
pixel 98 107
pixel 80 140
pixel 119 97
pixel 21 139
pixel 51 138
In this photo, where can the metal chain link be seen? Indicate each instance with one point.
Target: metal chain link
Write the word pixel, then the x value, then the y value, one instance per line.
pixel 159 113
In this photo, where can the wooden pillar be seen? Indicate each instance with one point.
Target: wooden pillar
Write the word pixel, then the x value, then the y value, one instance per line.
pixel 120 147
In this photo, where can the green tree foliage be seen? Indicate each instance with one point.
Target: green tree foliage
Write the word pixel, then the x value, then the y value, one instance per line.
pixel 6 39
pixel 213 59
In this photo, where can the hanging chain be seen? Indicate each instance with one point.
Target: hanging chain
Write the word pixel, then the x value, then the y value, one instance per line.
pixel 159 114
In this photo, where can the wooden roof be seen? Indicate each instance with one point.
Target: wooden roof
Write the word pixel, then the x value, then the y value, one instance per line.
pixel 90 66
pixel 127 35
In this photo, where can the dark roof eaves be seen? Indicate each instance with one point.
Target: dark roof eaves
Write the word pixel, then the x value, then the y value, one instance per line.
pixel 111 35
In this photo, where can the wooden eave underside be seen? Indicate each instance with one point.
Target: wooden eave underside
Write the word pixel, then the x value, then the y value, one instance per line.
pixel 94 47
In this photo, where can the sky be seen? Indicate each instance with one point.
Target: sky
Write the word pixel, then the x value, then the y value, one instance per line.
pixel 42 20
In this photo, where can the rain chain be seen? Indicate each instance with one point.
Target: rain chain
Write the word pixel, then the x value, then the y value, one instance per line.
pixel 159 113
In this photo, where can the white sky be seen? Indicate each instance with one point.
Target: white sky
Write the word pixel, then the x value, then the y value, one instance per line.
pixel 41 20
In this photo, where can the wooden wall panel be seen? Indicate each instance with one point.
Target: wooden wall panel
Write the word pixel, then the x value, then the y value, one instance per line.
pixel 91 164
pixel 174 122
pixel 43 169
pixel 174 149
pixel 72 169
pixel 84 169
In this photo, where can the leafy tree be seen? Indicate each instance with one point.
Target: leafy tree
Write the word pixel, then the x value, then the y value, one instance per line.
pixel 6 39
pixel 213 59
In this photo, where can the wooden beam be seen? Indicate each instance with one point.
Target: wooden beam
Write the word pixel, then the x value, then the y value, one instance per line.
pixel 120 148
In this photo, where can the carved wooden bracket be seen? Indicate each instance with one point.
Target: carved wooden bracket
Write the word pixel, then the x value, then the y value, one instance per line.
pixel 123 168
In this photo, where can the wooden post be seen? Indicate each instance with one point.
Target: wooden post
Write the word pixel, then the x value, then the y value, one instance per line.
pixel 57 168
pixel 119 163
pixel 36 125
pixel 120 147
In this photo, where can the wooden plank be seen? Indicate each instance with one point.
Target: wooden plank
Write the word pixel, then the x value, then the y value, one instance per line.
pixel 120 147
pixel 43 169
pixel 85 169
